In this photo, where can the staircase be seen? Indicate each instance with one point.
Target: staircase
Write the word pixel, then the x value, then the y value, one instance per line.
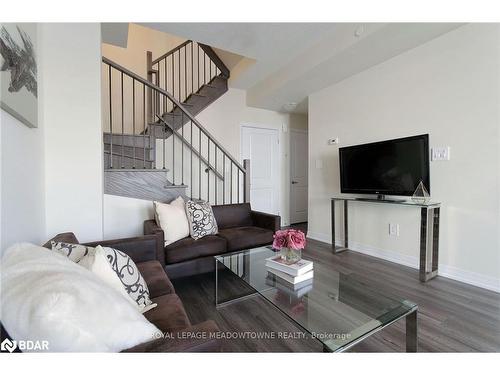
pixel 195 103
pixel 154 148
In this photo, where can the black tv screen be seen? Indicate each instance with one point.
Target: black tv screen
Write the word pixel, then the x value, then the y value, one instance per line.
pixel 393 167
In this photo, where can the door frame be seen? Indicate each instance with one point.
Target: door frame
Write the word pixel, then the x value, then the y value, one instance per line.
pixel 302 131
pixel 253 125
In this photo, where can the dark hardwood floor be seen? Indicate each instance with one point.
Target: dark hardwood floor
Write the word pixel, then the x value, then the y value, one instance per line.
pixel 453 316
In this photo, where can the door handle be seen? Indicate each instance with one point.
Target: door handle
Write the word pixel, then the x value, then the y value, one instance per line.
pixel 295 182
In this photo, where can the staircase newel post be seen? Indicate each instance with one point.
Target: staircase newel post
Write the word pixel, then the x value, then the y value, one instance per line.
pixel 246 181
pixel 149 72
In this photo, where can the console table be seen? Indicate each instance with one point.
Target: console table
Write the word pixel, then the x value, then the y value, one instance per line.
pixel 429 231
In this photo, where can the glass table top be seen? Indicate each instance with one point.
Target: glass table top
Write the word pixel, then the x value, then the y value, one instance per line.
pixel 335 308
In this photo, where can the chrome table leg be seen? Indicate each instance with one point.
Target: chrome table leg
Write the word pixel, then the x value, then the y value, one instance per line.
pixel 411 333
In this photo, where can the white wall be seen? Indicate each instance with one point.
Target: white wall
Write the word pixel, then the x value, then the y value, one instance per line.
pixel 124 217
pixel 71 114
pixel 449 88
pixel 22 183
pixel 52 175
pixel 224 119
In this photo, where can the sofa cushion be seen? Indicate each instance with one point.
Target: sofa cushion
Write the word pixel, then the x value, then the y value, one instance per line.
pixel 201 219
pixel 73 251
pixel 129 276
pixel 189 248
pixel 169 315
pixel 233 215
pixel 156 278
pixel 172 219
pixel 246 237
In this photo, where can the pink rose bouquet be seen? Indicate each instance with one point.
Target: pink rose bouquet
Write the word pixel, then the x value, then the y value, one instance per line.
pixel 289 238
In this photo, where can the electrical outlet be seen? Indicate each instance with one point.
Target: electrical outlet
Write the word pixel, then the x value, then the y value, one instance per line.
pixel 393 230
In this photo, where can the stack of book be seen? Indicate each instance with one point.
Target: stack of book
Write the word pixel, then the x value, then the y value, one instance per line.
pixel 296 278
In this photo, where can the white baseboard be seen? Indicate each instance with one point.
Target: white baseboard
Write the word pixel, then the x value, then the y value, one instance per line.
pixel 319 237
pixel 444 270
pixel 469 277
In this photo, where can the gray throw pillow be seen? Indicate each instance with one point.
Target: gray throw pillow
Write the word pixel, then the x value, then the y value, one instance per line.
pixel 74 252
pixel 201 219
pixel 131 278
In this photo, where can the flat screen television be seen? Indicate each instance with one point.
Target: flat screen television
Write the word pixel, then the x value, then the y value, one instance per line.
pixel 393 167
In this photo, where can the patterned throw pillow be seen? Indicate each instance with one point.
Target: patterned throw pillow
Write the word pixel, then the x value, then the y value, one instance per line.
pixel 72 251
pixel 131 278
pixel 201 219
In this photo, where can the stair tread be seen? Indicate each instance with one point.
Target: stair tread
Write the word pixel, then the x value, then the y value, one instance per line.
pixel 127 146
pixel 172 114
pixel 122 135
pixel 196 94
pixel 128 156
pixel 135 170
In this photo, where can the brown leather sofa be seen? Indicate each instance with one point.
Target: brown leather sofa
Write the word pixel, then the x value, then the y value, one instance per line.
pixel 239 228
pixel 169 316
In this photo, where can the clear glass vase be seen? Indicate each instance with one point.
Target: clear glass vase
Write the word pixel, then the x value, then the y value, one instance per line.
pixel 290 256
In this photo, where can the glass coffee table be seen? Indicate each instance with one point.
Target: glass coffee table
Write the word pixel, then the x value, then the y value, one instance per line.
pixel 338 309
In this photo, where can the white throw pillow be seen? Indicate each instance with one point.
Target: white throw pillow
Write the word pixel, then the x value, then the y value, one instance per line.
pixel 201 219
pixel 172 219
pixel 97 263
pixel 45 297
pixel 120 272
pixel 74 252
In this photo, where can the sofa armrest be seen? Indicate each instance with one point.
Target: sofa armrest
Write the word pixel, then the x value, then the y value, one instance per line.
pixel 198 338
pixel 150 227
pixel 266 221
pixel 140 249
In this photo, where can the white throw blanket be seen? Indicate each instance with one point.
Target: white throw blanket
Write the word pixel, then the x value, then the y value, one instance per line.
pixel 45 296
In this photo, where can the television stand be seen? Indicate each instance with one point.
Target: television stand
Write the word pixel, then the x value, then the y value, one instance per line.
pixel 429 231
pixel 381 198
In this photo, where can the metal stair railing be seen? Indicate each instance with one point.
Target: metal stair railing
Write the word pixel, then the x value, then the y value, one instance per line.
pixel 183 71
pixel 189 153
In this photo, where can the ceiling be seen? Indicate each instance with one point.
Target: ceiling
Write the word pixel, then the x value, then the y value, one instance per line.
pixel 289 61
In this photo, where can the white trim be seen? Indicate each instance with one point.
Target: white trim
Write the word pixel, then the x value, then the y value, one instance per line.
pixel 319 237
pixel 473 278
pixel 280 142
pixel 451 272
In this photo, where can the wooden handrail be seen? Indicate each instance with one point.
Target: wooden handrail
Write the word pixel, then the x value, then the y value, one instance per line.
pixel 178 104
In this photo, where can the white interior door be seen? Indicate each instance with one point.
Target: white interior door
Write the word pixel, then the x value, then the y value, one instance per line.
pixel 261 146
pixel 299 157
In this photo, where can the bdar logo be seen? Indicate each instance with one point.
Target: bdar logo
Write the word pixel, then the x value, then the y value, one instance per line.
pixel 8 345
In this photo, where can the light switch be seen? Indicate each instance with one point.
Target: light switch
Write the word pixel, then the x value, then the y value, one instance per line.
pixel 319 164
pixel 440 153
pixel 393 229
